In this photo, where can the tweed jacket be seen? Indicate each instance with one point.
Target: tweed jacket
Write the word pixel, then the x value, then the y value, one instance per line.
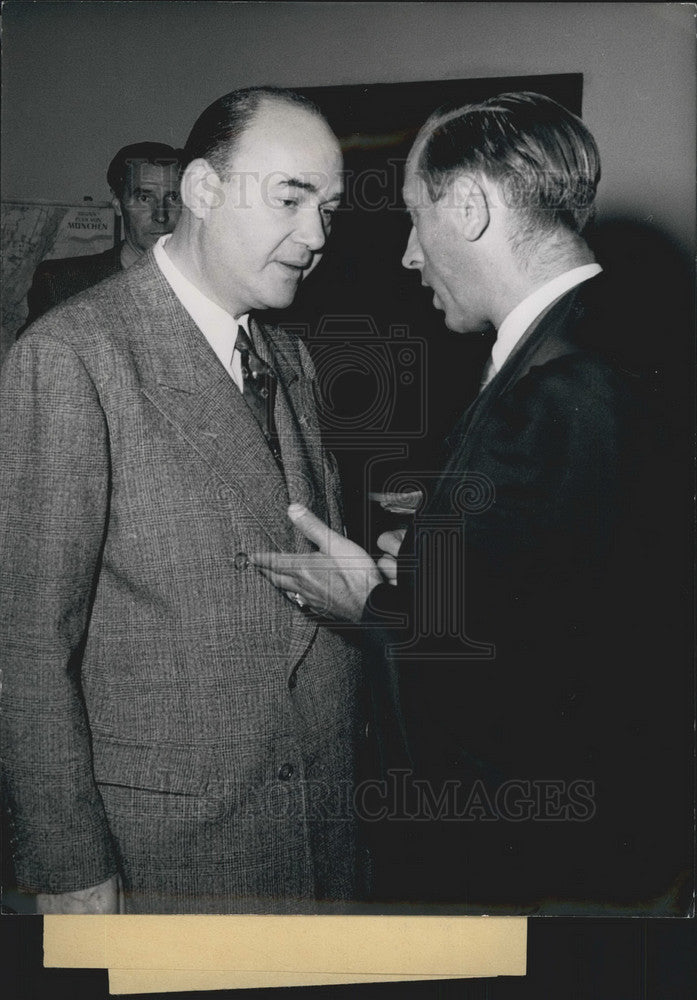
pixel 521 589
pixel 55 281
pixel 168 714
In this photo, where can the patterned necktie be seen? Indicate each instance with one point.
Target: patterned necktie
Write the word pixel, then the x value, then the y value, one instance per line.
pixel 259 391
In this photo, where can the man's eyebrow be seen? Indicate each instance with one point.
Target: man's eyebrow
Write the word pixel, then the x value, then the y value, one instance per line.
pixel 295 182
pixel 149 188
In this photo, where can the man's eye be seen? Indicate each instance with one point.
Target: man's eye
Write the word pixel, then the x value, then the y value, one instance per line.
pixel 174 199
pixel 289 202
pixel 143 198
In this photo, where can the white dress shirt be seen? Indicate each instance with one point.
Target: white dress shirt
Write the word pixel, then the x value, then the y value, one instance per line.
pixel 526 312
pixel 217 326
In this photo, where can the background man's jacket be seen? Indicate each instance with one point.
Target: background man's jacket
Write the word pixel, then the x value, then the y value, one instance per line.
pixel 54 281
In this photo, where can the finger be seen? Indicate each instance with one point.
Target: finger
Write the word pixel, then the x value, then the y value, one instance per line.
pixel 388 567
pixel 391 541
pixel 282 562
pixel 312 528
pixel 267 560
pixel 281 580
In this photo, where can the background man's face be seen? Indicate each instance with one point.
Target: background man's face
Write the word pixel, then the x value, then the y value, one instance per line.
pixel 274 213
pixel 150 204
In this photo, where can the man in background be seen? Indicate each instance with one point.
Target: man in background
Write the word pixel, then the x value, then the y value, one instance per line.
pixel 178 736
pixel 144 182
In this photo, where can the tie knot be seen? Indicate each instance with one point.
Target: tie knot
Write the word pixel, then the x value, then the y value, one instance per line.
pixel 252 365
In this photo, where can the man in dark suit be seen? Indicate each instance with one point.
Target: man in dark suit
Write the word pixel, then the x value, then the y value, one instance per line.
pixel 144 181
pixel 513 706
pixel 178 736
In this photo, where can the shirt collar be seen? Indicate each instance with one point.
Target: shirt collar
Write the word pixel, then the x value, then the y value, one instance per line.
pixel 217 325
pixel 526 312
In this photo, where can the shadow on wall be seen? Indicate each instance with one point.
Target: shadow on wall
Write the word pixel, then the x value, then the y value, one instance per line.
pixel 655 339
pixel 656 331
pixel 656 336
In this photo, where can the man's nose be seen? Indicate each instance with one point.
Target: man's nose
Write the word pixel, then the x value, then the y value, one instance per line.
pixel 310 230
pixel 159 212
pixel 412 255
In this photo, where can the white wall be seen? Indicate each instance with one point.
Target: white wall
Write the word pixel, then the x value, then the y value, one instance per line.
pixel 82 79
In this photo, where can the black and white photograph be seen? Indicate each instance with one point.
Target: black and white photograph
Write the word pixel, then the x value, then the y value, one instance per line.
pixel 347 459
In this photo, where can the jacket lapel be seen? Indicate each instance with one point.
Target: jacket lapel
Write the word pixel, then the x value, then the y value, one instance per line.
pixel 301 449
pixel 296 424
pixel 546 338
pixel 187 383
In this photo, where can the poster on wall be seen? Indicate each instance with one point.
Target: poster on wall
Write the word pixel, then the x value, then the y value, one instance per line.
pixel 32 232
pixel 83 229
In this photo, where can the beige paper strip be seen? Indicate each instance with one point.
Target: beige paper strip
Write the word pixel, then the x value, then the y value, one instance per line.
pixel 405 947
pixel 73 942
pixel 123 981
pixel 450 946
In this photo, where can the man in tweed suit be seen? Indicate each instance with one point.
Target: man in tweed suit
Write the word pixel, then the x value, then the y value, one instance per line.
pixel 178 735
pixel 144 182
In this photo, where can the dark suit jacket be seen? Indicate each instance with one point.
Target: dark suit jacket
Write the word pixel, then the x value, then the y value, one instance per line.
pixel 55 281
pixel 168 714
pixel 515 693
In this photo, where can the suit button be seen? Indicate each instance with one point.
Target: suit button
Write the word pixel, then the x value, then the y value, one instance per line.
pixel 286 771
pixel 292 681
pixel 241 560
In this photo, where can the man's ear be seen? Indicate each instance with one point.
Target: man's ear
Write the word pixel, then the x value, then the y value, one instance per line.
pixel 472 204
pixel 116 203
pixel 201 188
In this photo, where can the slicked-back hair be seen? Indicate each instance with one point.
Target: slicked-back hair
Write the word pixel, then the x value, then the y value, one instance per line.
pixel 129 158
pixel 543 159
pixel 220 127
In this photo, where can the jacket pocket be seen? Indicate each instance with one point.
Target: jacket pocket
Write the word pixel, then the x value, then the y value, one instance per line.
pixel 169 768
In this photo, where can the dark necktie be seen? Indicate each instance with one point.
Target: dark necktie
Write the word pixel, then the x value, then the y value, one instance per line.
pixel 259 391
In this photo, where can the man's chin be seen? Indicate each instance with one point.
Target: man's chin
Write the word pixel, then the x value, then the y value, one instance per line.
pixel 471 329
pixel 279 300
pixel 458 324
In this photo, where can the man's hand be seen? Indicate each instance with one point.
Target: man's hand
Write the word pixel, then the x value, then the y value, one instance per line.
pixel 390 543
pixel 335 581
pixel 104 898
